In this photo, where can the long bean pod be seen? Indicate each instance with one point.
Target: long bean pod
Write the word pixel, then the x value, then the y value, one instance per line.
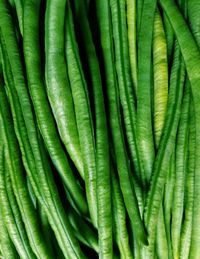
pixel 8 250
pixel 191 57
pixel 101 134
pixel 11 214
pixel 126 94
pixel 58 88
pixel 181 169
pixel 18 180
pixel 123 167
pixel 44 185
pixel 120 228
pixel 41 106
pixel 132 39
pixel 83 114
pixel 144 103
pixel 166 146
pixel 186 229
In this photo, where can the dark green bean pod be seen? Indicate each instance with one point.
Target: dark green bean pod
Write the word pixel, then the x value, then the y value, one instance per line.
pixel 160 72
pixel 194 19
pixel 18 180
pixel 168 201
pixel 181 169
pixel 144 103
pixel 11 213
pixel 57 82
pixel 131 13
pixel 170 37
pixel 191 56
pixel 186 229
pixel 40 102
pixel 165 147
pixel 126 93
pixel 83 114
pixel 7 248
pixel 119 216
pixel 101 134
pixel 139 8
pixel 40 172
pixel 123 166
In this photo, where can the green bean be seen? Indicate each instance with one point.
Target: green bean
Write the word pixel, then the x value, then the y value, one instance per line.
pixel 181 167
pixel 101 134
pixel 166 147
pixel 170 39
pixel 40 174
pixel 160 67
pixel 186 229
pixel 58 88
pixel 191 57
pixel 144 104
pixel 123 166
pixel 194 20
pixel 132 39
pixel 20 189
pixel 40 102
pixel 8 250
pixel 168 201
pixel 11 213
pixel 139 8
pixel 83 114
pixel 119 212
pixel 161 237
pixel 124 80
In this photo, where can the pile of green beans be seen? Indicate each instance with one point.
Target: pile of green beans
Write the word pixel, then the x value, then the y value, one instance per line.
pixel 99 129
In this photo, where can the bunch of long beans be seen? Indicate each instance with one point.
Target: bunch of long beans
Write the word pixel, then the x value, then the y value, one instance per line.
pixel 99 129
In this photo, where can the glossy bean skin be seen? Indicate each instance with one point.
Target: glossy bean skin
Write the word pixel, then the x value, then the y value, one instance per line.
pixel 41 106
pixel 123 168
pixel 192 63
pixel 34 153
pixel 57 81
pixel 83 114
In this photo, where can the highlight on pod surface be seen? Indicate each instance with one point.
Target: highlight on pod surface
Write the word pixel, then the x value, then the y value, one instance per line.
pixel 99 129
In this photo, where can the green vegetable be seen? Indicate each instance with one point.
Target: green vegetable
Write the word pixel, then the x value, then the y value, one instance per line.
pixel 20 189
pixel 144 102
pixel 123 166
pixel 39 97
pixel 181 168
pixel 11 213
pixel 166 146
pixel 160 67
pixel 57 82
pixel 132 39
pixel 83 114
pixel 186 229
pixel 101 135
pixel 99 129
pixel 191 57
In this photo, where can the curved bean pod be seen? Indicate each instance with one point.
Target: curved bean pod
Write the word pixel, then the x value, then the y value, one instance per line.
pixel 58 88
pixel 123 166
pixel 83 114
pixel 41 106
pixel 101 134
